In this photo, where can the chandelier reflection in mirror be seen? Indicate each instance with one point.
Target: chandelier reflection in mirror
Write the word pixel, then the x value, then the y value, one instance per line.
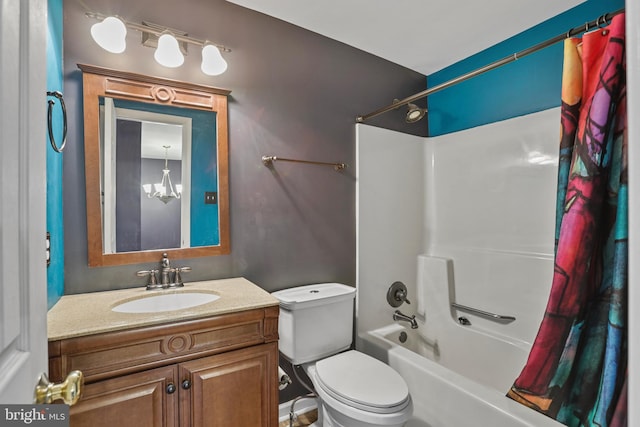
pixel 171 45
pixel 163 190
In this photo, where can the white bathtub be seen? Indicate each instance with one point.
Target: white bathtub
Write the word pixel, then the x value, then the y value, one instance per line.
pixel 478 242
pixel 452 385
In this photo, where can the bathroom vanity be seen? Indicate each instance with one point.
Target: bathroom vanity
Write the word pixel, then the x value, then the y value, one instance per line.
pixel 212 364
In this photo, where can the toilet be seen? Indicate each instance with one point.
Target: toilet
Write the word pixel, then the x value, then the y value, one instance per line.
pixel 354 390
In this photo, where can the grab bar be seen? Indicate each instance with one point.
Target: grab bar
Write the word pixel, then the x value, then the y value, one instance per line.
pixel 498 317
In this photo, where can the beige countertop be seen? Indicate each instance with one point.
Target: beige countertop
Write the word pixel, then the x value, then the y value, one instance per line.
pixel 90 313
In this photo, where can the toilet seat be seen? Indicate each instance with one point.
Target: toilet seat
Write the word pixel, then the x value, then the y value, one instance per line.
pixel 360 381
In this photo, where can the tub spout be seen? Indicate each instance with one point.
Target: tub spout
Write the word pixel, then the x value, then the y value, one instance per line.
pixel 398 315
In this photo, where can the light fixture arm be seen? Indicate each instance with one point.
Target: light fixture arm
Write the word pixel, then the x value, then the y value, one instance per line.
pixel 165 192
pixel 158 32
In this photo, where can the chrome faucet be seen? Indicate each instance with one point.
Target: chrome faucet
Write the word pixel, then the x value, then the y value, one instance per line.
pixel 165 271
pixel 398 315
pixel 169 277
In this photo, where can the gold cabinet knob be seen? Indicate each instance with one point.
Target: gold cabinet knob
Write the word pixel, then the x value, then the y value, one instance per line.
pixel 69 390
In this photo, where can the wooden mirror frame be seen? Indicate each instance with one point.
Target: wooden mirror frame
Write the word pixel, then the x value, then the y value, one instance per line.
pixel 103 82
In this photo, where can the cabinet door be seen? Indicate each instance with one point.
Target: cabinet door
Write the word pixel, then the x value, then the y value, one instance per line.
pixel 238 389
pixel 135 400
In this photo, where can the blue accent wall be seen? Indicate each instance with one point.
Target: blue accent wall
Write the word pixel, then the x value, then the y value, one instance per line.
pixel 525 86
pixel 205 230
pixel 55 271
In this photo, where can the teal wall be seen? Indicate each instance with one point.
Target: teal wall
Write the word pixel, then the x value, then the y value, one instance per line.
pixel 525 86
pixel 55 271
pixel 205 227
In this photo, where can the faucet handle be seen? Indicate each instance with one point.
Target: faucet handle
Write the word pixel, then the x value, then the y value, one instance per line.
pixel 397 294
pixel 178 278
pixel 401 295
pixel 152 281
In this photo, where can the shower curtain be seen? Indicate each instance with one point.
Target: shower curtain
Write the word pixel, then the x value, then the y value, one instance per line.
pixel 576 372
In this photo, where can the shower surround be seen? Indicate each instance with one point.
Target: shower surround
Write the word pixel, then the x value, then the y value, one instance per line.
pixel 466 217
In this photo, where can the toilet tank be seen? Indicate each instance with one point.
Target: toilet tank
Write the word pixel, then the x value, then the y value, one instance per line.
pixel 316 321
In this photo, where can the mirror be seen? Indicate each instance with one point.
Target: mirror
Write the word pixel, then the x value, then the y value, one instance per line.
pixel 156 164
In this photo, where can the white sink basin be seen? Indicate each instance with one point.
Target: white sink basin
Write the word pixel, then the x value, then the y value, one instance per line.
pixel 165 302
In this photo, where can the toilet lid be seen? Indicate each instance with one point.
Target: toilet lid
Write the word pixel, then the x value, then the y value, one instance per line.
pixel 357 377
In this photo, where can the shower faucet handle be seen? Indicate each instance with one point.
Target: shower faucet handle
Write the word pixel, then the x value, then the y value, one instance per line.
pixel 401 295
pixel 397 294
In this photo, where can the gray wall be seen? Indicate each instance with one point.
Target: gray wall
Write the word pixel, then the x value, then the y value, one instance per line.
pixel 128 171
pixel 294 94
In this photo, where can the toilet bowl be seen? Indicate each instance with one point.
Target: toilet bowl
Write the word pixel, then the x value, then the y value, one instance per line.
pixel 353 389
pixel 357 390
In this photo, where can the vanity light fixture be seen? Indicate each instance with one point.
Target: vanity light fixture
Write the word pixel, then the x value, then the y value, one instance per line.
pixel 111 31
pixel 168 51
pixel 110 34
pixel 213 64
pixel 164 189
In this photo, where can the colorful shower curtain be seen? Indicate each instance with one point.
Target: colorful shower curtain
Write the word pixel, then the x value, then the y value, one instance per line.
pixel 577 368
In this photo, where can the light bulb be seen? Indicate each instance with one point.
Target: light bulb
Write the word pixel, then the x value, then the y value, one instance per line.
pixel 179 188
pixel 213 63
pixel 168 52
pixel 110 34
pixel 147 188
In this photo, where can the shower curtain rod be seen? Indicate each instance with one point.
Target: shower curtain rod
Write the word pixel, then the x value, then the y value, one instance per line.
pixel 511 58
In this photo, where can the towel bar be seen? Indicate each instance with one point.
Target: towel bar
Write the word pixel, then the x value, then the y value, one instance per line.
pixel 268 161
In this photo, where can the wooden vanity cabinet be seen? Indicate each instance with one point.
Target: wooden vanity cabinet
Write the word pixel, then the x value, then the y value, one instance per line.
pixel 139 399
pixel 219 371
pixel 228 389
